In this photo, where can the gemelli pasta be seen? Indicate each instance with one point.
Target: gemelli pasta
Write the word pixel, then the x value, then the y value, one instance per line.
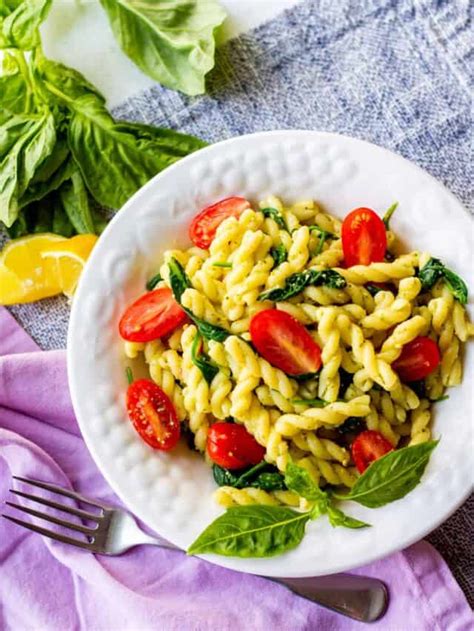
pixel 298 336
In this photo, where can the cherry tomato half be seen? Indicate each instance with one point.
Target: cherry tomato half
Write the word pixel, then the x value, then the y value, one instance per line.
pixel 418 359
pixel 284 342
pixel 231 446
pixel 203 227
pixel 153 415
pixel 367 447
pixel 364 239
pixel 153 315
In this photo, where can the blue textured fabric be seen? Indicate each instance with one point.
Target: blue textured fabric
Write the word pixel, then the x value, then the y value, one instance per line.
pixel 394 72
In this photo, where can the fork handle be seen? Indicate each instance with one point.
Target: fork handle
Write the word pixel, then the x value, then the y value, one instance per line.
pixel 358 597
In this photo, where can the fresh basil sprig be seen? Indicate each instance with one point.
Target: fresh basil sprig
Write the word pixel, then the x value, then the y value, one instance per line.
pixel 388 215
pixel 261 476
pixel 279 254
pixel 172 41
pixel 208 369
pixel 338 518
pixel 252 531
pixel 297 282
pixel 434 269
pixel 392 476
pixel 179 282
pixel 276 215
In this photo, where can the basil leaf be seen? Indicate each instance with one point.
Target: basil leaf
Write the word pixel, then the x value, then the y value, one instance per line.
pixel 13 88
pixel 392 476
pixel 179 283
pixel 268 480
pixel 279 254
pixel 179 280
pixel 388 215
pixel 430 273
pixel 208 369
pixel 75 200
pixel 115 159
pixel 42 185
pixel 456 285
pixel 338 518
pixel 61 222
pixel 298 480
pixel 24 144
pixel 223 264
pixel 172 42
pixel 252 531
pixel 276 215
pixel 19 29
pixel 297 282
pixel 153 282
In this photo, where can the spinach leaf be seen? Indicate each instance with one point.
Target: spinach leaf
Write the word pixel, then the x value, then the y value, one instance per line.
pixel 172 42
pixel 208 369
pixel 75 200
pixel 179 282
pixel 298 480
pixel 279 254
pixel 388 215
pixel 297 282
pixel 115 158
pixel 352 425
pixel 430 273
pixel 252 531
pixel 324 235
pixel 457 286
pixel 392 476
pixel 262 476
pixel 207 330
pixel 433 270
pixel 276 215
pixel 338 518
pixel 19 28
pixel 153 282
pixel 372 289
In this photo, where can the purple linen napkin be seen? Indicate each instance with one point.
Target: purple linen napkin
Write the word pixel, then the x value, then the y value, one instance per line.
pixel 49 586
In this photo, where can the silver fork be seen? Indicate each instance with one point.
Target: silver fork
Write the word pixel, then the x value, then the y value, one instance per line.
pixel 115 531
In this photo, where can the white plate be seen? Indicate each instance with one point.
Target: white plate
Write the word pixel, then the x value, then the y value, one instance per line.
pixel 172 492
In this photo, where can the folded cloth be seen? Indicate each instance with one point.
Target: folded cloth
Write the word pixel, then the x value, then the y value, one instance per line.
pixel 48 585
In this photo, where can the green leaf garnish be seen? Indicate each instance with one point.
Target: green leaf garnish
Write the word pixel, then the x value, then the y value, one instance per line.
pixel 252 531
pixel 392 476
pixel 276 215
pixel 297 282
pixel 433 270
pixel 208 369
pixel 222 264
pixel 388 215
pixel 279 254
pixel 153 282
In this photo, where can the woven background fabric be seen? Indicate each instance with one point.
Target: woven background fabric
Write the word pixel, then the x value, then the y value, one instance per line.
pixel 394 72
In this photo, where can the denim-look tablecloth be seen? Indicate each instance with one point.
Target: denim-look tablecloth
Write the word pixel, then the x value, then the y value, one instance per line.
pixel 394 72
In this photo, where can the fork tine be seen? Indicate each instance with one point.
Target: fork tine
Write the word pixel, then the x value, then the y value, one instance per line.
pixel 60 491
pixel 62 507
pixel 49 533
pixel 52 519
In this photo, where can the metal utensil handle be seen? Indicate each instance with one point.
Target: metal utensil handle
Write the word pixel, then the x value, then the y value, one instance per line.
pixel 359 597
